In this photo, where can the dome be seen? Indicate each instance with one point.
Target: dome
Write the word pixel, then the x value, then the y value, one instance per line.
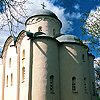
pixel 68 38
pixel 45 12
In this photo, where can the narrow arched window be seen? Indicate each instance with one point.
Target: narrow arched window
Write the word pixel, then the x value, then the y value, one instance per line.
pixel 23 54
pixel 23 74
pixel 40 29
pixel 85 85
pixel 54 32
pixel 52 84
pixel 7 81
pixel 83 57
pixel 9 62
pixel 11 79
pixel 93 89
pixel 23 58
pixel 74 89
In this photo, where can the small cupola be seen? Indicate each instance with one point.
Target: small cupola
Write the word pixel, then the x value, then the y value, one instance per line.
pixel 45 21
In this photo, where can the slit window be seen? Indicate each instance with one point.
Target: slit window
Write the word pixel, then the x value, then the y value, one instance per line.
pixel 93 87
pixel 23 74
pixel 54 32
pixel 11 79
pixel 83 57
pixel 74 89
pixel 85 85
pixel 23 58
pixel 9 62
pixel 52 84
pixel 7 81
pixel 23 54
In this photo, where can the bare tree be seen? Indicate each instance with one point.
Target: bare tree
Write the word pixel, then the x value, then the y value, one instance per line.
pixel 13 13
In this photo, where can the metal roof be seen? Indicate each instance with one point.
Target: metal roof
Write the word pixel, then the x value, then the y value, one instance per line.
pixel 68 38
pixel 45 12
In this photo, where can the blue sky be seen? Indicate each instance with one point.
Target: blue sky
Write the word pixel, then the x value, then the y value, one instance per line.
pixel 74 10
pixel 78 6
pixel 68 11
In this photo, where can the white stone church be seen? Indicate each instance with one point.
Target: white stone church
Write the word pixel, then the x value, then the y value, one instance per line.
pixel 42 64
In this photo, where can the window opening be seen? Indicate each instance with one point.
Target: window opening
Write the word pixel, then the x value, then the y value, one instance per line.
pixel 52 84
pixel 93 87
pixel 54 32
pixel 23 58
pixel 83 58
pixel 7 81
pixel 9 62
pixel 11 79
pixel 23 54
pixel 23 74
pixel 40 29
pixel 74 84
pixel 85 85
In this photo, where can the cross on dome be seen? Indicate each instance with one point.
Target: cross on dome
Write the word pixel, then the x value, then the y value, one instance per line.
pixel 43 5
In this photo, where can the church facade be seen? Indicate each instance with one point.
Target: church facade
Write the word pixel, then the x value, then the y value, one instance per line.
pixel 42 64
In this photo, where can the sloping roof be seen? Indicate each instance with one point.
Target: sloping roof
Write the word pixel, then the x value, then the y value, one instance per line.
pixel 68 38
pixel 45 12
